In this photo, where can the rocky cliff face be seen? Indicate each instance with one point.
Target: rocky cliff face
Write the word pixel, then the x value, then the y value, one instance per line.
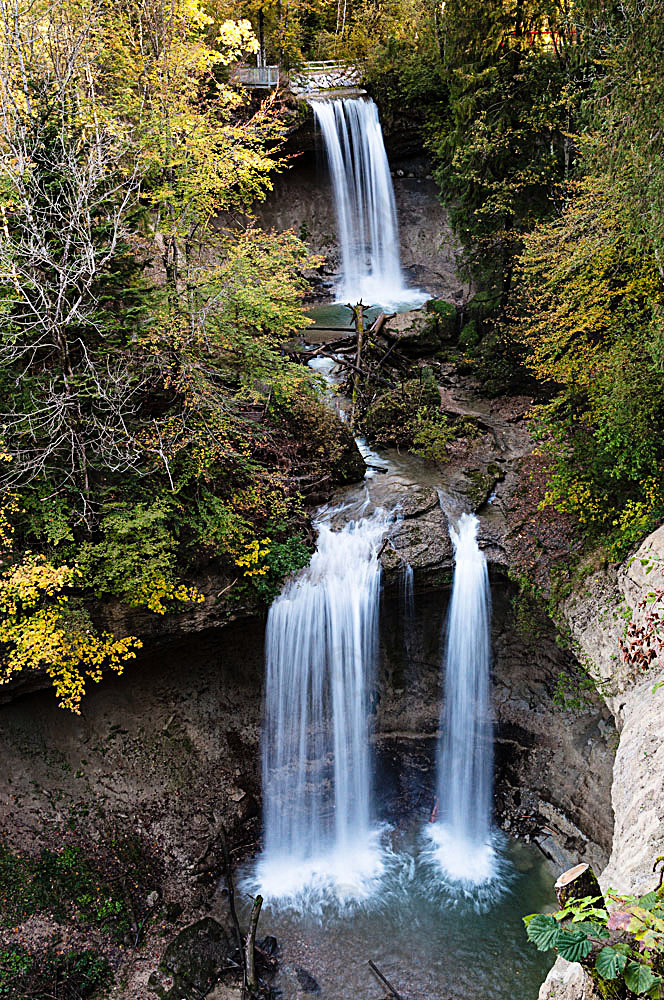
pixel 173 747
pixel 597 614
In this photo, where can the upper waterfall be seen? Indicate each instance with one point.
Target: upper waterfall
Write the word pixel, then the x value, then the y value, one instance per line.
pixel 364 202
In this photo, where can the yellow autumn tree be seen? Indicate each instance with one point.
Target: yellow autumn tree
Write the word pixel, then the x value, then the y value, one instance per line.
pixel 41 633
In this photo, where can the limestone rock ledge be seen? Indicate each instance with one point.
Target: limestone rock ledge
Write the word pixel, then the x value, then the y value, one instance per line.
pixel 596 615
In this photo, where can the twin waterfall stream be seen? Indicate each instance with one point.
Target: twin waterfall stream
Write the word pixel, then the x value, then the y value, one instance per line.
pixel 321 653
pixel 340 883
pixel 321 662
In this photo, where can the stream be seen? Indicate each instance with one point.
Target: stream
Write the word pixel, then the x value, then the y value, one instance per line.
pixel 434 898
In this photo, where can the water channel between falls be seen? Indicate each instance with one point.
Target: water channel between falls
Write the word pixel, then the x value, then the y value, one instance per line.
pixel 435 898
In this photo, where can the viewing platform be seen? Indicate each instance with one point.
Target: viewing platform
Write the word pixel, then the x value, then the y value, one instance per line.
pixel 325 78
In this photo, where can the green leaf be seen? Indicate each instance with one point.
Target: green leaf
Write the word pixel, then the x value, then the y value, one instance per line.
pixel 573 946
pixel 638 977
pixel 610 963
pixel 592 928
pixel 543 931
pixel 648 901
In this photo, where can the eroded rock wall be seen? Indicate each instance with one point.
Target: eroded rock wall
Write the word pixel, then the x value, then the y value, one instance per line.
pixel 553 766
pixel 596 615
pixel 171 746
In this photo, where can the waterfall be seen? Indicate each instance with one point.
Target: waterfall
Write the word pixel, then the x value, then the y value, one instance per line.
pixel 465 767
pixel 364 202
pixel 321 651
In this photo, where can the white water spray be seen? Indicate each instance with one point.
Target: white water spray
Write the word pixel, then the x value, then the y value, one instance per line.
pixel 364 203
pixel 465 768
pixel 321 651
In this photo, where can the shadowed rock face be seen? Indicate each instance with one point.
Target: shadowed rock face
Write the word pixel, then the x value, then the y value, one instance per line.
pixel 302 201
pixel 553 768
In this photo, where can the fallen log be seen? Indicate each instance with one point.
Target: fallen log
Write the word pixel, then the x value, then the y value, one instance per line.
pixel 380 321
pixel 354 368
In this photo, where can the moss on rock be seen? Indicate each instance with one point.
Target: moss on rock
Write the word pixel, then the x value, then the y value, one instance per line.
pixel 193 961
pixel 326 443
pixel 393 418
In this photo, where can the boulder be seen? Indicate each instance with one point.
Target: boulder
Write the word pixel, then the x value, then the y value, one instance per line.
pixel 192 962
pixel 306 981
pixel 417 332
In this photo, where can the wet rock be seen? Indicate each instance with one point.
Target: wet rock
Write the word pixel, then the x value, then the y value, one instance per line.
pixel 417 332
pixel 192 962
pixel 307 982
pixel 418 502
pixel 269 945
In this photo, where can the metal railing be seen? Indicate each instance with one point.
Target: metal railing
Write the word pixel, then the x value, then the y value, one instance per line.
pixel 256 77
pixel 323 66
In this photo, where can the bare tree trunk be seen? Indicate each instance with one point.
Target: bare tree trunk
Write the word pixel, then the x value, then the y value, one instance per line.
pixel 223 839
pixel 358 318
pixel 261 38
pixel 250 952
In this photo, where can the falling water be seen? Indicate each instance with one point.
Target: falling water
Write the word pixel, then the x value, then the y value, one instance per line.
pixel 465 769
pixel 364 202
pixel 406 591
pixel 321 649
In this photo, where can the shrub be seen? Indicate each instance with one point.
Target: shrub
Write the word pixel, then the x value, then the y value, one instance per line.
pixel 74 975
pixel 622 949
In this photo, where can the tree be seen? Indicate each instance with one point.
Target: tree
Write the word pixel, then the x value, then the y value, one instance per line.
pixel 66 188
pixel 515 75
pixel 585 302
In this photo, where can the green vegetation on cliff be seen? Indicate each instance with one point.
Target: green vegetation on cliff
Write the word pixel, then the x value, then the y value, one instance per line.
pixel 154 431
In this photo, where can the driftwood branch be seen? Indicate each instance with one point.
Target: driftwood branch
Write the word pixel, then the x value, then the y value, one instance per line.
pixel 353 367
pixel 380 321
pixel 383 547
pixel 228 866
pixel 386 983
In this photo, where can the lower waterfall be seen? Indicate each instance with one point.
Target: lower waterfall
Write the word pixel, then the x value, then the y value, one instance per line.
pixel 321 651
pixel 462 830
